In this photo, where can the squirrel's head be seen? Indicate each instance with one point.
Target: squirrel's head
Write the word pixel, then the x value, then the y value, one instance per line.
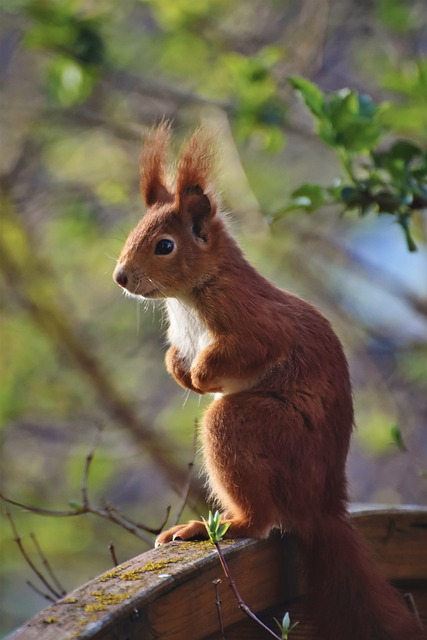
pixel 172 249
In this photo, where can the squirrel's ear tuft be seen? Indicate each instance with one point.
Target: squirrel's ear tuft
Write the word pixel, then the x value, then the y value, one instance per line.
pixel 194 195
pixel 196 205
pixel 153 176
pixel 196 164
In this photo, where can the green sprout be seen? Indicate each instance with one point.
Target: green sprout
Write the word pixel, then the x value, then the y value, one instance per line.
pixel 285 626
pixel 216 530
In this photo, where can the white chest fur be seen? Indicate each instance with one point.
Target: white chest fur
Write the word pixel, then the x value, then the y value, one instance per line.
pixel 187 331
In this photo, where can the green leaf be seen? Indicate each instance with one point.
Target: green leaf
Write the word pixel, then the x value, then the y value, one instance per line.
pixel 353 120
pixel 397 437
pixel 397 159
pixel 285 626
pixel 286 622
pixel 223 529
pixel 350 195
pixel 367 209
pixel 215 528
pixel 359 135
pixel 404 220
pixel 404 150
pixel 75 504
pixel 311 94
pixel 69 81
pixel 345 118
pixel 342 108
pixel 310 196
pixel 367 108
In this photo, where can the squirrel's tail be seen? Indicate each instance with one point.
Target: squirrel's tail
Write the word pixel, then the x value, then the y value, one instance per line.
pixel 349 598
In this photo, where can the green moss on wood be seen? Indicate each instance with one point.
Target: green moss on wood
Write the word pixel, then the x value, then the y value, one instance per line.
pixel 91 608
pixel 109 599
pixel 135 574
pixel 110 575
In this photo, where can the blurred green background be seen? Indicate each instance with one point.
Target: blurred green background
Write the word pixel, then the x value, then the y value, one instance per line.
pixel 81 81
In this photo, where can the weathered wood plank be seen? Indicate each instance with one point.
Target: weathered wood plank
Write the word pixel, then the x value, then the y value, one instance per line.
pixel 169 593
pixel 398 538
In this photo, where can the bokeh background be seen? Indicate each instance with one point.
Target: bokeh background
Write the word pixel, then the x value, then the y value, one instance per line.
pixel 81 81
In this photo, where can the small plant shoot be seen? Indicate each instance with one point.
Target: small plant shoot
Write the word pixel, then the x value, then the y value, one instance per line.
pixel 285 626
pixel 216 530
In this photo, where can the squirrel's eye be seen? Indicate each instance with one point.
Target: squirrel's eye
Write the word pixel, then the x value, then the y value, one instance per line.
pixel 164 247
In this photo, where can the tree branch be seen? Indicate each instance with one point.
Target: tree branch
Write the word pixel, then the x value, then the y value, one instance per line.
pixel 106 512
pixel 18 539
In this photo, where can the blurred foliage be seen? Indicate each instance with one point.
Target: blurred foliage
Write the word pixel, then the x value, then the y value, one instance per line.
pixel 81 81
pixel 409 82
pixel 76 44
pixel 392 180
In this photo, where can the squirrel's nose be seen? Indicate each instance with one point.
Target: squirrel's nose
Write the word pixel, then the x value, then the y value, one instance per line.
pixel 120 277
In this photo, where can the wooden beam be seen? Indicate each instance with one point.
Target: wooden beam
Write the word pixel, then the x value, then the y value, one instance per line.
pixel 169 593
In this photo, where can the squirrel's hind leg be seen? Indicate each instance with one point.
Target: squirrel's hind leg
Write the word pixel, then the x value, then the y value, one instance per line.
pixel 265 467
pixel 262 465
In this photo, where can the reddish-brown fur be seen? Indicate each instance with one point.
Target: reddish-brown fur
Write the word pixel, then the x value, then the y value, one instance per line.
pixel 275 439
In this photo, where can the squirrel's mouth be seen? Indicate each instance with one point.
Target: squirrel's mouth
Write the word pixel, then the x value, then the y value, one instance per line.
pixel 152 293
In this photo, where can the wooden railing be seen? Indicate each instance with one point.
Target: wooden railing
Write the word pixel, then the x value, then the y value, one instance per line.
pixel 173 592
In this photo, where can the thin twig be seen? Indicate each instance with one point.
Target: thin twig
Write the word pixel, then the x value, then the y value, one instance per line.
pixel 162 526
pixel 43 512
pixel 218 604
pixel 114 516
pixel 88 462
pixel 107 511
pixel 40 576
pixel 39 592
pixel 138 525
pixel 136 528
pixel 243 606
pixel 46 565
pixel 113 554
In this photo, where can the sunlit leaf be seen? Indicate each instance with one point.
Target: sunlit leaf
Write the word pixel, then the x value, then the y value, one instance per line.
pixel 68 80
pixel 310 93
pixel 310 196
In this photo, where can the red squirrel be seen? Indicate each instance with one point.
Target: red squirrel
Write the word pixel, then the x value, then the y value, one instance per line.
pixel 275 437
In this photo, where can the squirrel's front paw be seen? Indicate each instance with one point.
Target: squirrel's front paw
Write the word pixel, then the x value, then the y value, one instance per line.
pixel 193 529
pixel 201 379
pixel 176 367
pixel 206 385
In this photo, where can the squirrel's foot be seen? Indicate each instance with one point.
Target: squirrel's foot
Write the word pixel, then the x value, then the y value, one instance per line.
pixel 193 529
